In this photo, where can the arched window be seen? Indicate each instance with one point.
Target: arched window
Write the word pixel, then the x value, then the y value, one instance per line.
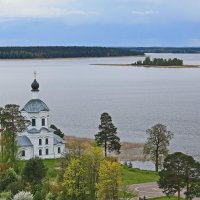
pixel 33 122
pixel 40 141
pixel 40 152
pixel 23 153
pixel 43 121
pixel 59 150
pixel 46 141
pixel 47 151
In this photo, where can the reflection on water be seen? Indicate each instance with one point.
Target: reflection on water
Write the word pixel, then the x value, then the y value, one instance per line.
pixel 137 98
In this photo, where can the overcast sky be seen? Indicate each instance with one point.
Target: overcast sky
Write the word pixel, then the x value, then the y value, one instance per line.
pixel 100 22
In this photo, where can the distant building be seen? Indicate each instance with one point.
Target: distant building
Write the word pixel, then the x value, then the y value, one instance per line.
pixel 38 139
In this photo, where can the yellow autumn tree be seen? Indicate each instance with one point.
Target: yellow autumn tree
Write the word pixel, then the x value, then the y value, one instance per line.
pixel 92 159
pixel 74 181
pixel 109 181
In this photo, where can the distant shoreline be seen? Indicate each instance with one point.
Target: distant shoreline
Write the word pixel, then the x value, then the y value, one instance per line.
pixel 70 58
pixel 149 66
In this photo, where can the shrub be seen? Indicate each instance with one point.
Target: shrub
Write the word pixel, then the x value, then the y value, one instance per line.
pixel 23 196
pixel 9 177
pixel 16 186
pixel 39 195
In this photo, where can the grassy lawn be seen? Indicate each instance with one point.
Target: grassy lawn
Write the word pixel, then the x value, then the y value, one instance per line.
pixel 52 165
pixel 136 176
pixel 166 198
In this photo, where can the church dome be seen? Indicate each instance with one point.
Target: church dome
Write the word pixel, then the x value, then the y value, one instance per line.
pixel 35 106
pixel 35 85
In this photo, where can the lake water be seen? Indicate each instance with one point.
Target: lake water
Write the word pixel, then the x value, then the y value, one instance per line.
pixel 137 98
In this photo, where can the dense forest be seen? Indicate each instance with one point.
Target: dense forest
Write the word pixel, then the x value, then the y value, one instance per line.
pixel 63 52
pixel 165 49
pixel 160 62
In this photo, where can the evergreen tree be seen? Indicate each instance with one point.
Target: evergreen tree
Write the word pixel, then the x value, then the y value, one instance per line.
pixel 180 172
pixel 107 135
pixel 34 172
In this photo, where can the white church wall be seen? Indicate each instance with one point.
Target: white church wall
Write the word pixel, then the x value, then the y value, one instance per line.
pixel 28 153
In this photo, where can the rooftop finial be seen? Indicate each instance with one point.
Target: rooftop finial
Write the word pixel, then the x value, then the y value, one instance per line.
pixel 35 74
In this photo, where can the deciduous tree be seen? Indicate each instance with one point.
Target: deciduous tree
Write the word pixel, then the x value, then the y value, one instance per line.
pixel 109 181
pixel 157 143
pixel 74 181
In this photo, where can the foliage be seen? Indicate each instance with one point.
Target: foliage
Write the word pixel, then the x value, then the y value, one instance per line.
pixel 109 181
pixel 62 52
pixel 160 62
pixel 33 172
pixel 9 177
pixel 91 160
pixel 16 186
pixel 57 131
pixel 5 195
pixel 137 176
pixel 23 196
pixel 75 180
pixel 11 122
pixel 180 172
pixel 157 143
pixel 50 196
pixel 39 195
pixel 107 135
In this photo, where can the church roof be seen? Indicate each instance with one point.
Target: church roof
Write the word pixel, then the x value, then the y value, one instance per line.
pixel 34 130
pixel 23 141
pixel 57 139
pixel 35 106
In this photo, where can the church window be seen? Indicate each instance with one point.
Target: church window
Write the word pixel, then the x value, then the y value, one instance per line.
pixel 40 152
pixel 46 141
pixel 47 151
pixel 40 141
pixel 23 153
pixel 43 122
pixel 58 149
pixel 33 122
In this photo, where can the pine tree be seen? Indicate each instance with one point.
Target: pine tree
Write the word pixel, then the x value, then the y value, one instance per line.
pixel 107 135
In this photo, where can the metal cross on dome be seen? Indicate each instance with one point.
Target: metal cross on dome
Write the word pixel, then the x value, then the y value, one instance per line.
pixel 35 74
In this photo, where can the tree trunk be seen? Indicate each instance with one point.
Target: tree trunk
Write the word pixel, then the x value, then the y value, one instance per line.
pixel 179 195
pixel 105 148
pixel 156 164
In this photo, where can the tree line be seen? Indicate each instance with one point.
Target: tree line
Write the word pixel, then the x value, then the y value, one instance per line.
pixel 159 62
pixel 165 49
pixel 62 52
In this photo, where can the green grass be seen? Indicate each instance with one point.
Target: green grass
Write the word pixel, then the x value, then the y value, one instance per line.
pixel 52 165
pixel 165 198
pixel 136 176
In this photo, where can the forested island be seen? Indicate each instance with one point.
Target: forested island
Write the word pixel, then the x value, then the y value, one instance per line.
pixel 159 62
pixel 63 52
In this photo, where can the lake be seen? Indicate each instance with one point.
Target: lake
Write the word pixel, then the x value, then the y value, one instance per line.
pixel 136 98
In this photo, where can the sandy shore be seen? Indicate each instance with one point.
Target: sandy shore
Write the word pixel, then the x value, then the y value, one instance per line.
pixel 148 66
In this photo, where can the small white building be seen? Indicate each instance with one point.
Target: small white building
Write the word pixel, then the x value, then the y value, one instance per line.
pixel 38 140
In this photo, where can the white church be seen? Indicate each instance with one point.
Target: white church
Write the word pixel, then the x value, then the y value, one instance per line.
pixel 38 140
